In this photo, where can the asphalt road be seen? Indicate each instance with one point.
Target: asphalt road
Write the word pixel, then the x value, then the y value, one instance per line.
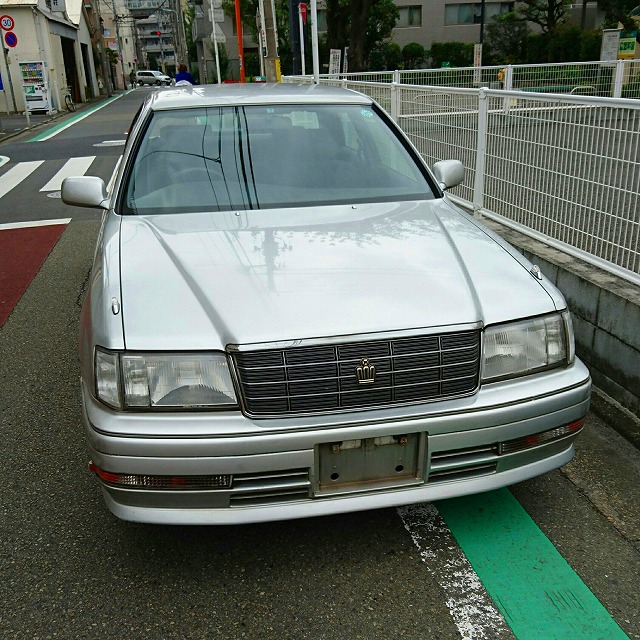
pixel 68 569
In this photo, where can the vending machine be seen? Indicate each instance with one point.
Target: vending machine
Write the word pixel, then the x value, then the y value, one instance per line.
pixel 35 85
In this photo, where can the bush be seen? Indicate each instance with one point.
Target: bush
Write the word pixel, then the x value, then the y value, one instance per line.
pixel 457 54
pixel 414 55
pixel 386 56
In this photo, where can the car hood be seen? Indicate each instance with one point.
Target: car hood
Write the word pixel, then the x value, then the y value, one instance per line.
pixel 207 280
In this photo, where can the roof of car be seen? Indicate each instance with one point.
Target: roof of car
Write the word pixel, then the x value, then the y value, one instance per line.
pixel 253 93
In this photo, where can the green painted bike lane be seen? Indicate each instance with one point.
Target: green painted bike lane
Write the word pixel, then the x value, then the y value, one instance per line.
pixel 535 589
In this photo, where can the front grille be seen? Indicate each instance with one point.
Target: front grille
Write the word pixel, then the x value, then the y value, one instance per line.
pixel 463 464
pixel 276 382
pixel 275 487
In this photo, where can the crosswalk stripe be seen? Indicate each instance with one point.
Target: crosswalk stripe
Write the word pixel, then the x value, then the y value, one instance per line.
pixel 16 175
pixel 72 167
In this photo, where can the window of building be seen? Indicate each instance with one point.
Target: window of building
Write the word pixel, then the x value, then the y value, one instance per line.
pixel 409 17
pixel 471 13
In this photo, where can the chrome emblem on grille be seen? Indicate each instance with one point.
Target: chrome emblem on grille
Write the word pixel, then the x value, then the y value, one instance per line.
pixel 366 372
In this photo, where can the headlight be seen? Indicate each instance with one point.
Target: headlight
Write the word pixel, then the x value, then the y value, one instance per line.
pixel 164 381
pixel 527 346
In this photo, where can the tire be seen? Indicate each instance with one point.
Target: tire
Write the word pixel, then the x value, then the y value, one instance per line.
pixel 68 100
pixel 158 83
pixel 140 83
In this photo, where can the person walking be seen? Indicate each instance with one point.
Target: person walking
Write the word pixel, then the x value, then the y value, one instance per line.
pixel 183 74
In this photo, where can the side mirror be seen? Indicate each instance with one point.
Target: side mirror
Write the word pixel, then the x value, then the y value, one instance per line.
pixel 448 173
pixel 85 191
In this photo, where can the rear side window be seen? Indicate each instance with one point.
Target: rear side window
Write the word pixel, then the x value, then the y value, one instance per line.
pixel 257 157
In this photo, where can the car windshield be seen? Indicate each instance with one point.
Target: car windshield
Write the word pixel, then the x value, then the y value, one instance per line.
pixel 258 157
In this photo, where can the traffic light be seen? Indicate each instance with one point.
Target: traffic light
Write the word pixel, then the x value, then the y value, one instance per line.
pixel 156 33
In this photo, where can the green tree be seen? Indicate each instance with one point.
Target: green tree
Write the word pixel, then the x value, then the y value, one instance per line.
pixel 457 54
pixel 547 14
pixel 385 56
pixel 414 55
pixel 618 11
pixel 364 26
pixel 506 39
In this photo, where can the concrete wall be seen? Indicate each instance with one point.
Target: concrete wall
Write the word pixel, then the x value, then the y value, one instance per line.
pixel 606 316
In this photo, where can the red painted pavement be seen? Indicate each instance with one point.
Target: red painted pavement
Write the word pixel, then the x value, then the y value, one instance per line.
pixel 22 253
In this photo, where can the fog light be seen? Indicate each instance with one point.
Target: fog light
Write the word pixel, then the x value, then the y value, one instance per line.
pixel 135 481
pixel 528 442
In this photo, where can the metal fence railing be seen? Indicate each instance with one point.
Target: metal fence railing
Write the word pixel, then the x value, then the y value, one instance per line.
pixel 616 79
pixel 562 168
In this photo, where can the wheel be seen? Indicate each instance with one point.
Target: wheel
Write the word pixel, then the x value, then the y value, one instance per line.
pixel 158 83
pixel 140 83
pixel 68 100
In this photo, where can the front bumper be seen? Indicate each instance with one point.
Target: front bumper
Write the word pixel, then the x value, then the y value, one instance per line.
pixel 282 469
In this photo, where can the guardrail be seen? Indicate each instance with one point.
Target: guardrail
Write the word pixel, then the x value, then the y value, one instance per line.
pixel 564 169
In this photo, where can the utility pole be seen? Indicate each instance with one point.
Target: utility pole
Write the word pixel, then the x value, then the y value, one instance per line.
pixel 272 61
pixel 120 55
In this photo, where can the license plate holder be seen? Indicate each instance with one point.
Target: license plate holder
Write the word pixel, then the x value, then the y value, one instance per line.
pixel 370 463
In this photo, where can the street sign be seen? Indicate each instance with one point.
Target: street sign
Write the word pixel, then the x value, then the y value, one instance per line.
pixel 11 39
pixel 7 23
pixel 217 34
pixel 335 57
pixel 218 15
pixel 610 44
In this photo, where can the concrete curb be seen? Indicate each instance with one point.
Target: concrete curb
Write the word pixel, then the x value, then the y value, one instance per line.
pixel 626 423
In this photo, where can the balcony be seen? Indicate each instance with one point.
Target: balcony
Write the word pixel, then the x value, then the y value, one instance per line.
pixel 143 8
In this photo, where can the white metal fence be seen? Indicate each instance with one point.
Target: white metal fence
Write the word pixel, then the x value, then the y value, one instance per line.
pixel 616 79
pixel 562 168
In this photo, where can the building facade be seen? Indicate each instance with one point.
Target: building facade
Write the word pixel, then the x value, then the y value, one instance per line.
pixel 47 48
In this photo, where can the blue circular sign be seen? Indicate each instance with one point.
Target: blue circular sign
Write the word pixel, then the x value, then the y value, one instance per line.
pixel 11 39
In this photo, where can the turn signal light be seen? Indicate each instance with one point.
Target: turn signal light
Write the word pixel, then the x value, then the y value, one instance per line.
pixel 520 444
pixel 135 481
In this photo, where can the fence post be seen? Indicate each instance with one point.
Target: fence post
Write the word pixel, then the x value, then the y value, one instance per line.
pixel 617 83
pixel 508 78
pixel 395 101
pixel 481 152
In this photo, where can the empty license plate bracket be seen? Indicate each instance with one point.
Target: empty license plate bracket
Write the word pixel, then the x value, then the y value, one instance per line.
pixel 370 463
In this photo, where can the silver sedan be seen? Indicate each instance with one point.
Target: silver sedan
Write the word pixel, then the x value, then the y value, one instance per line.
pixel 288 317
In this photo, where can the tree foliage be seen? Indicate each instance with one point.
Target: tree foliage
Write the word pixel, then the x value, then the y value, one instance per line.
pixel 414 56
pixel 365 27
pixel 506 39
pixel 386 56
pixel 456 54
pixel 547 14
pixel 618 11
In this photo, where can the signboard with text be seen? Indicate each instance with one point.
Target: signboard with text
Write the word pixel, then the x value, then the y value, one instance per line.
pixel 335 56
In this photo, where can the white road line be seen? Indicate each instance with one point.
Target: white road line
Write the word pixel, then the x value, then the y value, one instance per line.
pixel 72 167
pixel 471 608
pixel 4 160
pixel 16 175
pixel 35 223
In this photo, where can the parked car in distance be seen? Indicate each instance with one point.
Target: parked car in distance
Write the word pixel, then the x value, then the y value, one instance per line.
pixel 288 317
pixel 152 77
